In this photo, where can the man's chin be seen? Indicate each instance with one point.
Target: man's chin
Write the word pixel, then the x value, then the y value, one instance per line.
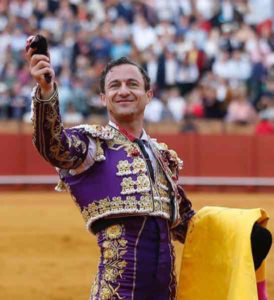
pixel 125 115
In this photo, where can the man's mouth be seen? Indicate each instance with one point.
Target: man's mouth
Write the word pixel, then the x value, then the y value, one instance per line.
pixel 123 101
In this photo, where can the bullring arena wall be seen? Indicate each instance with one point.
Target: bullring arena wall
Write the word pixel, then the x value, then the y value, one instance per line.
pixel 211 161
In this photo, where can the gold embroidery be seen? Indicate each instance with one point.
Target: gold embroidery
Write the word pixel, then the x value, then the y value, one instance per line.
pixel 131 150
pixel 114 249
pixel 143 183
pixel 113 232
pixel 123 168
pixel 162 181
pixel 126 168
pixel 120 141
pixel 105 292
pixel 166 208
pixel 174 157
pixel 145 203
pixel 75 142
pixel 111 274
pixel 116 205
pixel 92 208
pixel 99 151
pixel 138 165
pixel 56 127
pixel 61 186
pixel 49 118
pixel 127 186
pixel 104 206
pixel 157 205
pixel 163 193
pixel 130 203
pixel 95 287
pixel 97 131
pixel 161 146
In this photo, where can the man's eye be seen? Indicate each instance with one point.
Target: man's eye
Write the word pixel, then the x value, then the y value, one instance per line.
pixel 133 84
pixel 114 85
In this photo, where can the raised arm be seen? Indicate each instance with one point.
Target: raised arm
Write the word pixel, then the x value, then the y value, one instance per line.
pixel 63 148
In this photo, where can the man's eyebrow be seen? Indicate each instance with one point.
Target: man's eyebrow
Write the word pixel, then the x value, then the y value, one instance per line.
pixel 133 79
pixel 118 81
pixel 113 81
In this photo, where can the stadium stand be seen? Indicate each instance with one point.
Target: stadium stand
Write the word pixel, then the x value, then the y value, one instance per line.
pixel 198 53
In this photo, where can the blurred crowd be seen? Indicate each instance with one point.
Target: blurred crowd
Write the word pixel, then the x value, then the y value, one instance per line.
pixel 209 59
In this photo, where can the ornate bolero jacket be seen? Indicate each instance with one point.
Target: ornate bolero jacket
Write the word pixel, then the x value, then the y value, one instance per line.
pixel 118 183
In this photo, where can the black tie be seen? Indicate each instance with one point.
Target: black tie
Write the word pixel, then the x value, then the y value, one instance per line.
pixel 140 143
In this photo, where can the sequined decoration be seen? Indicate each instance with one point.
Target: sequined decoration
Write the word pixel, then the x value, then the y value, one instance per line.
pixel 127 185
pixel 114 250
pixel 123 168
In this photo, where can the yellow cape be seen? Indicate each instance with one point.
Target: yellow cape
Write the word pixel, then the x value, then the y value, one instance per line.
pixel 217 261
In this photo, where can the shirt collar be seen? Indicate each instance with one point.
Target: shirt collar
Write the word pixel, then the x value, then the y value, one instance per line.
pixel 144 135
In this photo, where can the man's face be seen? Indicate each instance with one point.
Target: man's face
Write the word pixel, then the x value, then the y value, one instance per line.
pixel 125 96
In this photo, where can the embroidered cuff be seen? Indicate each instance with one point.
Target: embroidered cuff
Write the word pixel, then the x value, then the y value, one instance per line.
pixel 36 94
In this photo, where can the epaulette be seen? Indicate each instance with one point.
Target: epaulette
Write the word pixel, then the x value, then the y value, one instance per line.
pixel 159 146
pixel 176 158
pixel 96 131
pixel 172 155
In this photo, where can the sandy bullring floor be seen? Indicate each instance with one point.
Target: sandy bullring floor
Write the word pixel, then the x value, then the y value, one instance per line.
pixel 46 253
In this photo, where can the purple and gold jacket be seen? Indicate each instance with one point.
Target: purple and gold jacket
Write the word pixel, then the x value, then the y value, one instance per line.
pixel 118 184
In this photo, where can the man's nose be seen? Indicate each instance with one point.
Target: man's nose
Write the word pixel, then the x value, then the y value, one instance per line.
pixel 123 90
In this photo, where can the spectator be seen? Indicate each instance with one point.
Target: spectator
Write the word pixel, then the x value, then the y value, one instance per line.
pixel 176 104
pixel 212 107
pixel 100 45
pixel 263 127
pixel 154 111
pixel 240 110
pixel 120 47
pixel 143 34
pixel 189 125
pixel 4 101
pixel 267 111
pixel 71 116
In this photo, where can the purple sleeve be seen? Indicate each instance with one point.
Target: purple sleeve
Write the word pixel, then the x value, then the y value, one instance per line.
pixel 63 148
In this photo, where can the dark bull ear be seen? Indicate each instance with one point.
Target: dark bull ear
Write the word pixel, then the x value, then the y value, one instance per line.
pixel 261 241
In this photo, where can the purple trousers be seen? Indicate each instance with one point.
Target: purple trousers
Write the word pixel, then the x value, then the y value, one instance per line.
pixel 137 261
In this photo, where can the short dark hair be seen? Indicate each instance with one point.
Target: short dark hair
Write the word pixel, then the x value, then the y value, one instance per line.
pixel 122 61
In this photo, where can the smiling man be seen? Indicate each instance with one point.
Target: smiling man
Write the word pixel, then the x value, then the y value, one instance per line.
pixel 124 182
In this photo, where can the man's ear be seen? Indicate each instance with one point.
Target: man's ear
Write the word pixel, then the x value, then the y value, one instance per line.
pixel 149 95
pixel 103 99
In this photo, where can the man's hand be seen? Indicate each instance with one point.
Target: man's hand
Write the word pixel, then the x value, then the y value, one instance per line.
pixel 39 66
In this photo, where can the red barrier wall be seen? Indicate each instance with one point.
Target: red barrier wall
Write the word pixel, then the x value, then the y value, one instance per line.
pixel 203 155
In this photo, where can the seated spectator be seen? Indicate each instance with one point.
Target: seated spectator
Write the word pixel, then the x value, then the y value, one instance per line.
pixel 4 101
pixel 120 47
pixel 71 116
pixel 143 34
pixel 189 125
pixel 263 127
pixel 267 113
pixel 176 104
pixel 240 110
pixel 194 103
pixel 100 45
pixel 154 111
pixel 212 107
pixel 121 29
